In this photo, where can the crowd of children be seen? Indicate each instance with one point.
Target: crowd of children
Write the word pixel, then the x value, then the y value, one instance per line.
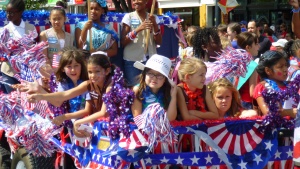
pixel 84 80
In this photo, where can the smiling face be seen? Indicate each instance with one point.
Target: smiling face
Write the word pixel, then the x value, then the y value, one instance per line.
pixel 73 71
pixel 97 74
pixel 57 19
pixel 154 80
pixel 196 80
pixel 223 99
pixel 96 11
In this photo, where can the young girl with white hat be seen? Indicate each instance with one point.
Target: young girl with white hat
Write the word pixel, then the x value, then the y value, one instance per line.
pixel 155 86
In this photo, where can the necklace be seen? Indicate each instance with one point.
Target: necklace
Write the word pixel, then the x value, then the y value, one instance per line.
pixel 274 85
pixel 195 100
pixel 113 34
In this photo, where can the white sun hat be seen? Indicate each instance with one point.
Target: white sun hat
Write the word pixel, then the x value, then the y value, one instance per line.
pixel 158 63
pixel 280 42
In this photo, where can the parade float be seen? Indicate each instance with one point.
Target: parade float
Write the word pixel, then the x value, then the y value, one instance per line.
pixel 233 142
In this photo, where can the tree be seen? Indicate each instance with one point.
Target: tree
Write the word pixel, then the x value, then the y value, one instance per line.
pixel 35 4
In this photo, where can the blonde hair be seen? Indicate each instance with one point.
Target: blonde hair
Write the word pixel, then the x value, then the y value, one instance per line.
pixel 189 66
pixel 236 105
pixel 225 42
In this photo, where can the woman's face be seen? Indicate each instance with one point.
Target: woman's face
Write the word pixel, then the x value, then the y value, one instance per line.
pixel 231 34
pixel 96 11
pixel 253 49
pixel 13 14
pixel 57 19
pixel 223 99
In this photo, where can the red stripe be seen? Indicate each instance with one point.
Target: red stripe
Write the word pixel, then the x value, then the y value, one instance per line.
pixel 288 164
pixel 162 29
pixel 38 31
pixel 116 26
pixel 224 139
pixel 68 28
pixel 215 134
pixel 257 132
pixel 47 27
pixel 251 141
pixel 242 145
pixel 276 165
pixel 231 146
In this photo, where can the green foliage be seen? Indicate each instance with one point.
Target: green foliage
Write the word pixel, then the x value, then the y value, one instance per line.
pixel 35 4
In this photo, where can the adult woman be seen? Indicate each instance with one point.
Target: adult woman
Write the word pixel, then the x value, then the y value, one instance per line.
pixel 134 27
pixel 103 37
pixel 17 29
pixel 233 30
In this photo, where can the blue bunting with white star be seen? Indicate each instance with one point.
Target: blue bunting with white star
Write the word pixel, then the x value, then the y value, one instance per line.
pixel 266 150
pixel 41 18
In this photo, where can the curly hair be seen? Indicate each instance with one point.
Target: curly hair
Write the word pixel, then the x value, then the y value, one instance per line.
pixel 236 105
pixel 269 59
pixel 202 38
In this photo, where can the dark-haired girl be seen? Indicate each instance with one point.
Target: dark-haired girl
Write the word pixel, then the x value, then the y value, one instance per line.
pixel 273 70
pixel 292 48
pixel 17 29
pixel 56 36
pixel 207 44
pixel 103 37
pixel 100 72
pixel 233 29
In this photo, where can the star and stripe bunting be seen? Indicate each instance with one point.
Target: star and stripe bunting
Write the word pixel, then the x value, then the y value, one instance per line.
pixel 265 149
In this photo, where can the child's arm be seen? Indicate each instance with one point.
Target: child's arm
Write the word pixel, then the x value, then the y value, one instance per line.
pixel 172 109
pixel 212 112
pixel 75 115
pixel 57 98
pixel 252 83
pixel 137 106
pixel 183 108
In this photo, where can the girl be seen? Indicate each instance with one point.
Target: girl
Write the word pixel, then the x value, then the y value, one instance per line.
pixel 17 29
pixel 134 26
pixel 193 99
pixel 292 48
pixel 100 72
pixel 273 70
pixel 103 37
pixel 56 36
pixel 206 44
pixel 245 85
pixel 227 99
pixel 155 87
pixel 233 30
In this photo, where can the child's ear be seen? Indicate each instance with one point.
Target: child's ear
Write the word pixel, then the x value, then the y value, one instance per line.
pixel 107 71
pixel 186 77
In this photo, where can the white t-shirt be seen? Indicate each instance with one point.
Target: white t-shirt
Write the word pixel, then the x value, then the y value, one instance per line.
pixel 18 31
pixel 134 20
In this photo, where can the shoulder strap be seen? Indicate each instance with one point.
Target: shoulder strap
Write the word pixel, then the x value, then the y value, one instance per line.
pixel 184 94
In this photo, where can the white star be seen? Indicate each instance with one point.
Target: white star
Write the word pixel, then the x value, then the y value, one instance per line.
pixel 5 22
pixel 162 20
pixel 96 131
pixel 243 165
pixel 208 159
pixel 77 153
pixel 67 20
pixel 91 147
pixel 98 157
pixel 290 153
pixel 273 131
pixel 106 18
pixel 179 160
pixel 93 156
pixel 136 164
pixel 269 145
pixel 109 161
pixel 115 18
pixel 164 160
pixel 36 22
pixel 47 21
pixel 194 160
pixel 148 160
pixel 77 20
pixel 84 155
pixel 277 154
pixel 257 158
pixel 131 153
pixel 103 159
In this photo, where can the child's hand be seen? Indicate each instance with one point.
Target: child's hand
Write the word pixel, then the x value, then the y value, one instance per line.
pixel 32 87
pixel 58 120
pixel 88 25
pixel 248 113
pixel 79 133
pixel 34 98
